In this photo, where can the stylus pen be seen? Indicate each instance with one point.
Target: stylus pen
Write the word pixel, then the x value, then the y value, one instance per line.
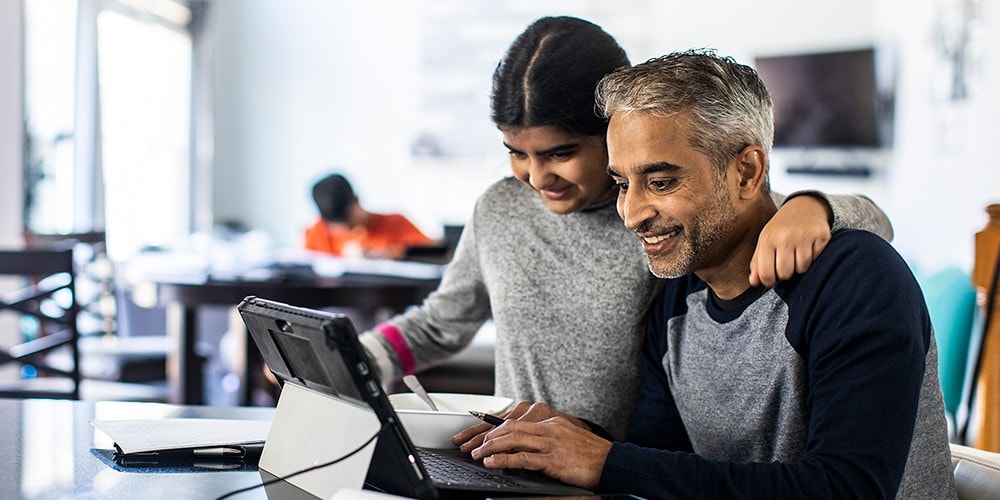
pixel 486 417
pixel 209 453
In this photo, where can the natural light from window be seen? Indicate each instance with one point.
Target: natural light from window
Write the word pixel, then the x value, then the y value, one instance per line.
pixel 49 65
pixel 108 120
pixel 144 88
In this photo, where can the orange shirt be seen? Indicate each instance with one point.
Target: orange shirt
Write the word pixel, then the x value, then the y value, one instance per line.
pixel 387 235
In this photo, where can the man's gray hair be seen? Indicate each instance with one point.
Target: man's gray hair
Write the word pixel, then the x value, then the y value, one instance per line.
pixel 729 105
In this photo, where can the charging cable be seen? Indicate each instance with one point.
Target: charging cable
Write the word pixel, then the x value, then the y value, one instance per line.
pixel 309 469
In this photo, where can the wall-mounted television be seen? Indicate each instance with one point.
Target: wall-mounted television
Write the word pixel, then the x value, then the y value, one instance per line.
pixel 826 100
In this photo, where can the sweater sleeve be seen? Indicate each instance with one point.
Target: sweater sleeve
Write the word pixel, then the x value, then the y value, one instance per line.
pixel 853 212
pixel 865 355
pixel 442 326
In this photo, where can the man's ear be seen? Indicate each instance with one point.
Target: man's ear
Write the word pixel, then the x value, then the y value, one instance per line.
pixel 752 167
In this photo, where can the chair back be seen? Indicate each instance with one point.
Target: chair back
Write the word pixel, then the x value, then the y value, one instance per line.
pixel 44 344
pixel 951 302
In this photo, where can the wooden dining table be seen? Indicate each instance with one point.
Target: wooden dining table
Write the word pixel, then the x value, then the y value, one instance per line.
pixel 183 298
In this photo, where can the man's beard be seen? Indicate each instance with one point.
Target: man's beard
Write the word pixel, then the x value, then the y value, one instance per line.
pixel 713 224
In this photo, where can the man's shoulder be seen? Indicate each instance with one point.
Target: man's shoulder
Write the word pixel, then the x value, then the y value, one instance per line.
pixel 859 237
pixel 862 248
pixel 853 260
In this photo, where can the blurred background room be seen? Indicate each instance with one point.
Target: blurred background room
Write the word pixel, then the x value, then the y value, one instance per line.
pixel 198 127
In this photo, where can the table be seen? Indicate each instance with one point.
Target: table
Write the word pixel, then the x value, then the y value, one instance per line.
pixel 52 451
pixel 366 292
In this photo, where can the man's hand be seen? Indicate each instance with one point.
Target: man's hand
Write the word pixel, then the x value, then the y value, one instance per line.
pixel 473 437
pixel 556 446
pixel 791 241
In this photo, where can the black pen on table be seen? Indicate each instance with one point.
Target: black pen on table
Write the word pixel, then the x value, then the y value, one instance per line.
pixel 210 453
pixel 486 417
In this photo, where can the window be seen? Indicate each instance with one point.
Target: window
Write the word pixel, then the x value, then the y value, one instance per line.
pixel 49 64
pixel 144 88
pixel 108 120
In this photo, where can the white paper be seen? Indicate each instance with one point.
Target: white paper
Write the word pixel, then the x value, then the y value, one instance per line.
pixel 360 494
pixel 329 266
pixel 136 436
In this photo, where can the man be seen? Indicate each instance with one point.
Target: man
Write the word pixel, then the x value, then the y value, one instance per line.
pixel 346 229
pixel 824 386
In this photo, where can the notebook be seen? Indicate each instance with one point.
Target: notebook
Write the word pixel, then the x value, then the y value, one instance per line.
pixel 320 351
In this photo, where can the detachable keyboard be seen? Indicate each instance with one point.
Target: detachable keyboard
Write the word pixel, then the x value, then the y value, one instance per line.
pixel 445 471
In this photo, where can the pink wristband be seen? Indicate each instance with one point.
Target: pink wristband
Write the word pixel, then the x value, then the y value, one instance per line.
pixel 403 352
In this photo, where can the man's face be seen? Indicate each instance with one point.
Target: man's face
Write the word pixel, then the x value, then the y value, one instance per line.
pixel 670 194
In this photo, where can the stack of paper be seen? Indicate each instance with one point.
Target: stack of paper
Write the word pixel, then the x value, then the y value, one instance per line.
pixel 145 436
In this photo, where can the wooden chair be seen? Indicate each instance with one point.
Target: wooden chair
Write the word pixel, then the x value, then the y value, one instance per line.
pixel 984 396
pixel 46 307
pixel 111 366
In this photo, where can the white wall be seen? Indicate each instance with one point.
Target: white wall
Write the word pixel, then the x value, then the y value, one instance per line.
pixel 10 124
pixel 10 153
pixel 781 27
pixel 941 174
pixel 304 86
pixel 945 169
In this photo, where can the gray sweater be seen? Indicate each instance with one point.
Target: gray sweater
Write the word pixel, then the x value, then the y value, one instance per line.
pixel 567 294
pixel 806 390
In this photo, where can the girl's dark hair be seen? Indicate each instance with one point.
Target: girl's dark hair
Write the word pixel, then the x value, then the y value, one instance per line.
pixel 549 74
pixel 333 195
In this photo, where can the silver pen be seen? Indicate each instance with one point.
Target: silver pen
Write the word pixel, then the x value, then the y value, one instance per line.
pixel 218 452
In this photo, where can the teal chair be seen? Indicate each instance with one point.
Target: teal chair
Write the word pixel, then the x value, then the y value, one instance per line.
pixel 951 300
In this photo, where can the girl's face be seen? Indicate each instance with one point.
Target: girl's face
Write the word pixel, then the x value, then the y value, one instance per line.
pixel 569 171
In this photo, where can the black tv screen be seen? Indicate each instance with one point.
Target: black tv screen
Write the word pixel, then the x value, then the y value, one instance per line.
pixel 824 99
